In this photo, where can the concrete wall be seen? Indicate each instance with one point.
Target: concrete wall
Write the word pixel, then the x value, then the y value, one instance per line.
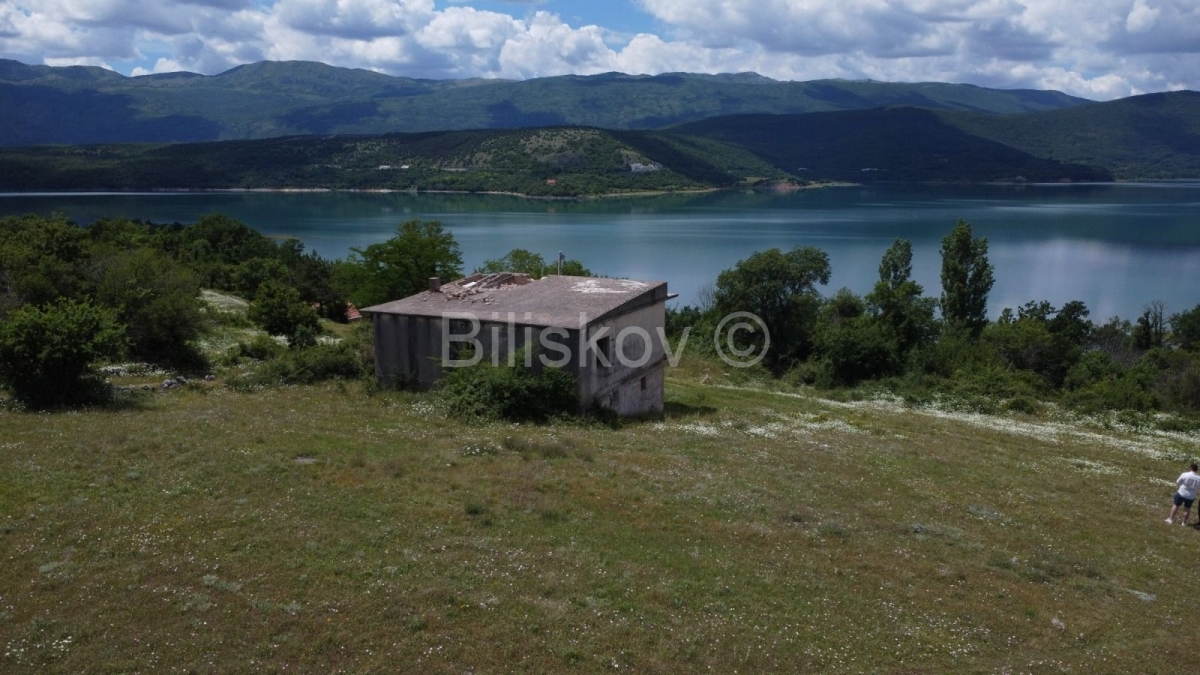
pixel 408 349
pixel 408 353
pixel 627 389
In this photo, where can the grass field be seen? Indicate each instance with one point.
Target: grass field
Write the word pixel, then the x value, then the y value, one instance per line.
pixel 322 529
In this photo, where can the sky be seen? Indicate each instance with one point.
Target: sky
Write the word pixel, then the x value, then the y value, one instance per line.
pixel 1099 49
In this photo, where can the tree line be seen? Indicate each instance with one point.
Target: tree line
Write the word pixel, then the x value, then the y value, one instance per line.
pixel 897 337
pixel 121 289
pixel 73 296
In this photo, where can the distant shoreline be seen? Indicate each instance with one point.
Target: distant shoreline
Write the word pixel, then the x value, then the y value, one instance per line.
pixel 578 198
pixel 607 195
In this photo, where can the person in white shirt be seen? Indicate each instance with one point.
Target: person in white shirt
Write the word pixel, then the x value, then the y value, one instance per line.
pixel 1189 484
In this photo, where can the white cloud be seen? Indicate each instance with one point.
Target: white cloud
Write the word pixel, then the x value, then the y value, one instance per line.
pixel 355 19
pixel 549 47
pixel 1101 49
pixel 79 61
pixel 1141 18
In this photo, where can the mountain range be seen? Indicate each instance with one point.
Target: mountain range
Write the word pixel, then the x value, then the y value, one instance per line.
pixel 81 104
pixel 306 125
pixel 1153 136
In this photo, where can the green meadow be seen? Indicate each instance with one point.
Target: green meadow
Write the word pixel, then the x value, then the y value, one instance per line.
pixel 751 528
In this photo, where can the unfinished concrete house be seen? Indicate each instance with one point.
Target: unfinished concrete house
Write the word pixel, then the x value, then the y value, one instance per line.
pixel 606 332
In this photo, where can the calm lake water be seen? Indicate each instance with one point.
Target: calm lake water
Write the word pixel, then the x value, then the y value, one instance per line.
pixel 1116 247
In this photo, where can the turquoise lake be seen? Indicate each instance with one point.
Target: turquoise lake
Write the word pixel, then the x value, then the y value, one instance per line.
pixel 1116 247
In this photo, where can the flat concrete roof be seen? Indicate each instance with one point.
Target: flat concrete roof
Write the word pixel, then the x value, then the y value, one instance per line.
pixel 552 301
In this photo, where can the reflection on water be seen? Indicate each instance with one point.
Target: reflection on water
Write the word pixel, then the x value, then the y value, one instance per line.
pixel 1115 247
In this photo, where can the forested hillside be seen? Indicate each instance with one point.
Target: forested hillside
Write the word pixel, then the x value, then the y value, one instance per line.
pixel 1150 136
pixel 83 105
pixel 891 144
pixel 564 161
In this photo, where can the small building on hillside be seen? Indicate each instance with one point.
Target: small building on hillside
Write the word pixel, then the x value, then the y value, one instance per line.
pixel 609 333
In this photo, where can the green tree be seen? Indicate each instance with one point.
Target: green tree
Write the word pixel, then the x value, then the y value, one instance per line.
pixel 899 300
pixel 279 310
pixel 966 279
pixel 248 275
pixel 158 301
pixel 400 266
pixel 46 353
pixel 1150 330
pixel 213 247
pixel 533 264
pixel 1042 339
pixel 41 260
pixel 312 275
pixel 1072 323
pixel 780 288
pixel 1185 328
pixel 852 344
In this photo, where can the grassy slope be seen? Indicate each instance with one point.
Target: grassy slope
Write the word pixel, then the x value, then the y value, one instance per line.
pixel 582 161
pixel 747 531
pixel 91 105
pixel 1151 136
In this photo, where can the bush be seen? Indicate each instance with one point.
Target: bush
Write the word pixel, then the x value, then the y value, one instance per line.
pixel 953 352
pixel 280 311
pixel 1174 375
pixel 996 381
pixel 362 340
pixel 1095 366
pixel 261 348
pixel 1023 404
pixel 1182 389
pixel 492 392
pixel 157 298
pixel 305 366
pixel 46 354
pixel 858 349
pixel 1124 393
pixel 809 373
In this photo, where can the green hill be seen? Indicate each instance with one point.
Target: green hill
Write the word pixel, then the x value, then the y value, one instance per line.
pixel 1150 136
pixel 77 104
pixel 1155 136
pixel 559 161
pixel 745 530
pixel 889 144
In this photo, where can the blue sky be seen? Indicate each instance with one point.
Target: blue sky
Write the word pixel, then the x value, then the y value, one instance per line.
pixel 1100 49
pixel 616 15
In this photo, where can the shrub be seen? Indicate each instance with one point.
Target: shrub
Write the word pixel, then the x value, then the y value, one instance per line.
pixel 1023 404
pixel 280 311
pixel 1176 376
pixel 46 354
pixel 1124 393
pixel 953 352
pixel 251 274
pixel 857 349
pixel 1095 366
pixel 996 381
pixel 1182 389
pixel 261 348
pixel 809 373
pixel 157 298
pixel 316 364
pixel 362 340
pixel 304 366
pixel 485 391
